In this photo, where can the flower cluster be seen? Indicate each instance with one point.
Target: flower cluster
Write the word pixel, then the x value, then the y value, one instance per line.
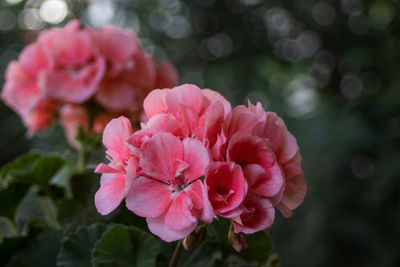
pixel 198 158
pixel 72 70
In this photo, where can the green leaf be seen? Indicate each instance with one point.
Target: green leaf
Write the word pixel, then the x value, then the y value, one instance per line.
pixel 20 167
pixel 7 228
pixel 84 186
pixel 32 169
pixel 10 197
pixel 8 246
pixel 205 254
pixel 259 247
pixel 39 252
pixel 76 248
pixel 125 246
pixel 259 244
pixel 34 209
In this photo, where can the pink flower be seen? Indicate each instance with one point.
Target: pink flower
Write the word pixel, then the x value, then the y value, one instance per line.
pixel 84 67
pixel 190 112
pixel 72 116
pixel 21 90
pixel 78 67
pixel 226 187
pixel 167 76
pixel 117 176
pixel 258 214
pixel 168 191
pixel 285 147
pixel 260 167
pixel 39 118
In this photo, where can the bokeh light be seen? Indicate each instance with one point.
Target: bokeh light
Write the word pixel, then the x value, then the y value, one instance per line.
pixel 53 11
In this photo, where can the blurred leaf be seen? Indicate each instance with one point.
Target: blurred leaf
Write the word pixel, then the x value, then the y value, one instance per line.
pixel 84 185
pixel 63 177
pixel 76 248
pixel 259 247
pixel 41 251
pixel 7 228
pixel 205 254
pixel 273 261
pixel 22 166
pixel 8 246
pixel 10 197
pixel 32 169
pixel 34 209
pixel 259 244
pixel 125 246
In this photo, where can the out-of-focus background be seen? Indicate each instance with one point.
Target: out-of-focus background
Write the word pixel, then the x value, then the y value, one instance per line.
pixel 331 69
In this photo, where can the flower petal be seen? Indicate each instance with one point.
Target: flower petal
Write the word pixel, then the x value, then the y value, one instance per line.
pixel 110 195
pixel 147 197
pixel 159 155
pixel 179 215
pixel 158 227
pixel 115 134
pixel 196 155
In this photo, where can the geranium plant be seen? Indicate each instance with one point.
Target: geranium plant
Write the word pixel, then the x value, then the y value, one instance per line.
pixel 201 180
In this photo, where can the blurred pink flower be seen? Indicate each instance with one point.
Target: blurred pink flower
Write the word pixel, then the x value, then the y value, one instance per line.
pixel 103 71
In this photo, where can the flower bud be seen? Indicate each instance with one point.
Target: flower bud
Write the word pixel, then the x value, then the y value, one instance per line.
pixel 196 237
pixel 237 240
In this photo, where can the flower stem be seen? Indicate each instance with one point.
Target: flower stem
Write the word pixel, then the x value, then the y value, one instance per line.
pixel 177 253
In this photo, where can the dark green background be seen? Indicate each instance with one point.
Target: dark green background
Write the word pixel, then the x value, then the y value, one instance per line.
pixel 331 69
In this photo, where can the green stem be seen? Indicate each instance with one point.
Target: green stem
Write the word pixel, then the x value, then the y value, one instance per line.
pixel 177 253
pixel 82 157
pixel 50 218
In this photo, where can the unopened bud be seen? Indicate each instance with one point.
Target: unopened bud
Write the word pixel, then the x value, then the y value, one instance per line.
pixel 196 237
pixel 237 240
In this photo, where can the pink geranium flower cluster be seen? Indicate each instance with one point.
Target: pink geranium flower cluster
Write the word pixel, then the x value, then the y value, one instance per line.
pixel 72 70
pixel 198 158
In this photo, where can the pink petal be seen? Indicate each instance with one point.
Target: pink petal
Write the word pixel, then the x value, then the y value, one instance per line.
pixel 215 97
pixel 148 198
pixel 155 102
pixel 188 118
pixel 73 87
pixel 196 155
pixel 117 44
pixel 115 134
pixel 71 49
pixel 240 119
pixel 195 193
pixel 103 168
pixel 226 185
pixel 178 215
pixel 20 91
pixel 115 95
pixel 265 182
pixel 188 95
pixel 34 59
pixel 289 148
pixel 258 215
pixel 110 195
pixel 105 177
pixel 167 76
pixel 131 172
pixel 158 227
pixel 163 149
pixel 214 119
pixel 245 150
